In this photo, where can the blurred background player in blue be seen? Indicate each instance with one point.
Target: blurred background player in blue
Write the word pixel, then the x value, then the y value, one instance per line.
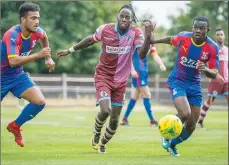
pixel 16 46
pixel 140 86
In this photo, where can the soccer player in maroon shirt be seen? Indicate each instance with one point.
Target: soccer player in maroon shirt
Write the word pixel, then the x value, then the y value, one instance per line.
pixel 119 41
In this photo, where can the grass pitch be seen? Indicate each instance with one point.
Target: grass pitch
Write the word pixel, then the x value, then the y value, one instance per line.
pixel 61 136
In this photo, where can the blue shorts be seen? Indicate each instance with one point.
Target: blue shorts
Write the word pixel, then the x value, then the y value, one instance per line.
pixel 141 81
pixel 17 85
pixel 193 92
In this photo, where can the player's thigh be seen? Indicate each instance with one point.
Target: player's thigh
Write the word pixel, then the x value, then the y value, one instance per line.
pixel 115 111
pixel 194 95
pixel 103 93
pixel 135 93
pixel 179 97
pixel 193 119
pixel 33 95
pixel 28 90
pixel 145 92
pixel 118 94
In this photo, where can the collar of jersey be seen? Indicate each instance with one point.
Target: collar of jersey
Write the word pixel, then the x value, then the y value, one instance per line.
pixel 116 30
pixel 196 44
pixel 25 38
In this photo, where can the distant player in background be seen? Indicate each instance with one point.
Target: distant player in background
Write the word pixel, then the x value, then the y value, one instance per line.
pixel 118 43
pixel 140 84
pixel 184 82
pixel 217 87
pixel 16 46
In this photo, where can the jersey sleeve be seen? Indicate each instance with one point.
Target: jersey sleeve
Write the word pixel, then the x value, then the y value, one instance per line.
pixel 213 62
pixel 40 33
pixel 98 33
pixel 175 40
pixel 139 38
pixel 10 40
pixel 153 50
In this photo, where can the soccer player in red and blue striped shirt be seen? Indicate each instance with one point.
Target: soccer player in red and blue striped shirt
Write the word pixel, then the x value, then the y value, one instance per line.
pixel 184 82
pixel 16 46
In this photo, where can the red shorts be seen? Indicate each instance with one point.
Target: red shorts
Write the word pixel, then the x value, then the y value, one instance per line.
pixel 217 88
pixel 115 91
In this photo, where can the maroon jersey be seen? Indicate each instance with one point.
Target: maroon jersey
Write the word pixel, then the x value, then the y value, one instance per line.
pixel 117 51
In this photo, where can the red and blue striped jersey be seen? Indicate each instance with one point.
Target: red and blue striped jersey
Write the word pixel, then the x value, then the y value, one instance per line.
pixel 188 55
pixel 15 44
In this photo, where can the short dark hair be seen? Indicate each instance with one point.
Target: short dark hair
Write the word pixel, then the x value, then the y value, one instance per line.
pixel 26 7
pixel 218 29
pixel 129 6
pixel 202 18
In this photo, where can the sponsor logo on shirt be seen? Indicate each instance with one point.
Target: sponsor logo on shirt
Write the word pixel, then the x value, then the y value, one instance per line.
pixel 25 53
pixel 118 50
pixel 188 62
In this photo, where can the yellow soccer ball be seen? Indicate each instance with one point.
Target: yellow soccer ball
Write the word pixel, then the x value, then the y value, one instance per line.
pixel 170 126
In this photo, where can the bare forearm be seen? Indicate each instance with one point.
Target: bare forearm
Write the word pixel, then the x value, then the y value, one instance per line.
pixel 165 40
pixel 21 60
pixel 145 48
pixel 86 42
pixel 210 73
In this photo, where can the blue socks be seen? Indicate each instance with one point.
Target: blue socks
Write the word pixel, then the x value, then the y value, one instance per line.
pixel 129 108
pixel 29 112
pixel 182 137
pixel 147 105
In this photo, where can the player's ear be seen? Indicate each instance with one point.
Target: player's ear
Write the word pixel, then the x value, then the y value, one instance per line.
pixel 209 29
pixel 22 19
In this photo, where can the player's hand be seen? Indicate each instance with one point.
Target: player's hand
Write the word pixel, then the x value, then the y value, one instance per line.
pixel 134 74
pixel 149 28
pixel 200 66
pixel 62 53
pixel 44 52
pixel 50 64
pixel 162 67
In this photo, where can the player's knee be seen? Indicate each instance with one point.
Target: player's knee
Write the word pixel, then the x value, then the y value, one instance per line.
pixel 185 116
pixel 146 95
pixel 40 101
pixel 190 126
pixel 106 112
pixel 114 123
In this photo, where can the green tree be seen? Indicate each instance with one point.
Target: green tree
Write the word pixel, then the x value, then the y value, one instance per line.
pixel 66 23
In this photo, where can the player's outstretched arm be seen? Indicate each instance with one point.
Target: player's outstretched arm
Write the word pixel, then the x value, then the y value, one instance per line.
pixel 165 40
pixel 86 42
pixel 17 60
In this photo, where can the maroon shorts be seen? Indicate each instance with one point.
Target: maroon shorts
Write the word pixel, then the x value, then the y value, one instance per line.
pixel 217 88
pixel 115 91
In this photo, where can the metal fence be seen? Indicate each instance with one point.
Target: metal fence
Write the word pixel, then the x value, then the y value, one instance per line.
pixel 74 86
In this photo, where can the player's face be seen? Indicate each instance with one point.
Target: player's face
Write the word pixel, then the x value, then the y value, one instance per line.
pixel 31 21
pixel 220 36
pixel 124 19
pixel 200 29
